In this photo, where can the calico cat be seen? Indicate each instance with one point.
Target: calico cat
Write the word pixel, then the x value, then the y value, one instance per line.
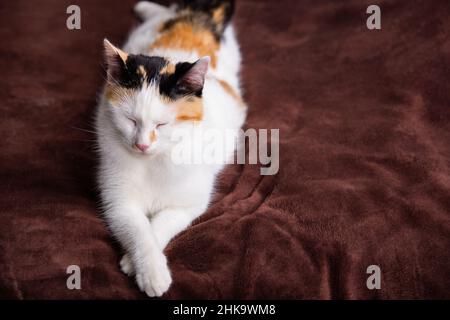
pixel 178 70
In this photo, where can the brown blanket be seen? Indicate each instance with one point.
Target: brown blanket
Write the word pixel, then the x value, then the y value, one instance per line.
pixel 364 119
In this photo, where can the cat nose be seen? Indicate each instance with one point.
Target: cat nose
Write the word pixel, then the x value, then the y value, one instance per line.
pixel 142 147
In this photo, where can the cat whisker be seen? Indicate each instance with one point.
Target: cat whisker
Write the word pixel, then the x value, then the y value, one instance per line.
pixel 84 130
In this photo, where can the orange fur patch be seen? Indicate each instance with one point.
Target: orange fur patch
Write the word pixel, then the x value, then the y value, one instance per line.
pixel 123 55
pixel 111 50
pixel 169 69
pixel 141 71
pixel 190 109
pixel 186 36
pixel 153 136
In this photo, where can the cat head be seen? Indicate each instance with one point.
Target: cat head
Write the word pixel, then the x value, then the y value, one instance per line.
pixel 149 97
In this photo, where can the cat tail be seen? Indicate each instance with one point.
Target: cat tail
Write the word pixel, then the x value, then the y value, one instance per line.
pixel 219 12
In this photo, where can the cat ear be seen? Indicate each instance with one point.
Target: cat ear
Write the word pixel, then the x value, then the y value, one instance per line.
pixel 115 58
pixel 194 79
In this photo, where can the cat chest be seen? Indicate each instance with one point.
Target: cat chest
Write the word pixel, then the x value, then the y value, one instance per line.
pixel 158 193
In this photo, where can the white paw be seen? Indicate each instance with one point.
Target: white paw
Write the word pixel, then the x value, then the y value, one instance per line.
pixel 153 276
pixel 126 265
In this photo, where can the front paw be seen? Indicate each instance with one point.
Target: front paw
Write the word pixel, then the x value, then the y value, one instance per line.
pixel 153 276
pixel 126 265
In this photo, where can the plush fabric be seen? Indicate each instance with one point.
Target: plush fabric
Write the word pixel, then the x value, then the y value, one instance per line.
pixel 364 174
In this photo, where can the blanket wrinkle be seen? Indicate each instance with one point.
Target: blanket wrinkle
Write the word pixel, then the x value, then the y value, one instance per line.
pixel 258 197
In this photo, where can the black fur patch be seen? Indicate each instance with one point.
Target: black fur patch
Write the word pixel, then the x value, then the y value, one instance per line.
pixel 171 86
pixel 200 13
pixel 209 6
pixel 128 75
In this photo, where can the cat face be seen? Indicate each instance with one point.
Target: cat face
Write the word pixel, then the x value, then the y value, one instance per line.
pixel 150 98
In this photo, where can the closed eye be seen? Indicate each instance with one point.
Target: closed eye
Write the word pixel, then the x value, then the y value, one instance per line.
pixel 159 125
pixel 133 121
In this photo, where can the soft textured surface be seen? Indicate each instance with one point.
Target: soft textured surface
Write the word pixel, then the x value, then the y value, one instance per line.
pixel 365 148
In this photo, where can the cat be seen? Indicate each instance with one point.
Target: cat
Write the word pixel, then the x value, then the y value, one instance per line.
pixel 178 70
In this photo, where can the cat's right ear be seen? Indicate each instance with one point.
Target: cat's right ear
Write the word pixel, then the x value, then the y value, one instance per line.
pixel 116 61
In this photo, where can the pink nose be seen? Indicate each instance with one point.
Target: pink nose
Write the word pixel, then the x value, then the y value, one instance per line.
pixel 142 147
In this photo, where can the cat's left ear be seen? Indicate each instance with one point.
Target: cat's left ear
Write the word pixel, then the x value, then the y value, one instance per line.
pixel 194 79
pixel 116 59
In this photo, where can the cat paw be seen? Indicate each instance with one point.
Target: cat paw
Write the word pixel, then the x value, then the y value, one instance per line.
pixel 126 265
pixel 153 277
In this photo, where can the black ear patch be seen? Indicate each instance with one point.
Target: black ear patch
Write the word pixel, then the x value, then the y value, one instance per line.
pixel 129 70
pixel 115 60
pixel 188 79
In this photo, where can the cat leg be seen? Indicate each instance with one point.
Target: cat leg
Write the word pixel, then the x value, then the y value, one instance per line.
pixel 126 265
pixel 133 230
pixel 167 223
pixel 146 10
